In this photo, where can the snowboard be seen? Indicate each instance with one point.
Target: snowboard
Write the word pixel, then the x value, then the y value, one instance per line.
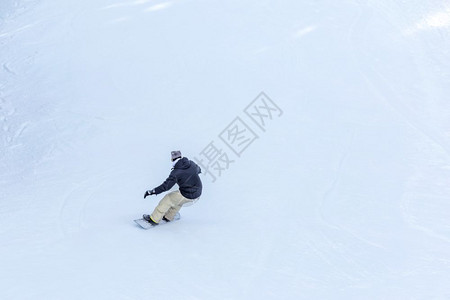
pixel 146 225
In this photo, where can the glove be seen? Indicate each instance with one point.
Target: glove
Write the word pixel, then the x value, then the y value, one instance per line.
pixel 148 193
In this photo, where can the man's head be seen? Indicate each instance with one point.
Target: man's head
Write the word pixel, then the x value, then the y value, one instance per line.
pixel 175 155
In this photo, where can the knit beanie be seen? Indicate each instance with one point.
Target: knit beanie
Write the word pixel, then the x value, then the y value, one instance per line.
pixel 175 155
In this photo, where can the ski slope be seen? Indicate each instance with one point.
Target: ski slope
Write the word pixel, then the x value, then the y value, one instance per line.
pixel 342 193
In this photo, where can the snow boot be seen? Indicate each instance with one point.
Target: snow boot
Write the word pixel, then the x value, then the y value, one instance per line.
pixel 149 219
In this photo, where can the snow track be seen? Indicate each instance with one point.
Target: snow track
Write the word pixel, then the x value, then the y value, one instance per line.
pixel 343 196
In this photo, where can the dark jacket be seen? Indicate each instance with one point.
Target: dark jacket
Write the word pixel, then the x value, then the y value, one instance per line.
pixel 185 174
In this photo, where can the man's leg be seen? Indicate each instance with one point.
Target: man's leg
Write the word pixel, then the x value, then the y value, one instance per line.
pixel 177 200
pixel 163 207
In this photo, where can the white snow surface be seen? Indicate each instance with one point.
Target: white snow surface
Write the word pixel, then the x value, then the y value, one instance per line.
pixel 345 195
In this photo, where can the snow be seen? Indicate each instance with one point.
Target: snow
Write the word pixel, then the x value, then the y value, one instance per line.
pixel 344 194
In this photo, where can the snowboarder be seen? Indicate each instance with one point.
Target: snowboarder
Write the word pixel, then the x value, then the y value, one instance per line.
pixel 185 174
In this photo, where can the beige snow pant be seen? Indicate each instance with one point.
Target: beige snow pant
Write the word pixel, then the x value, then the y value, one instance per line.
pixel 169 206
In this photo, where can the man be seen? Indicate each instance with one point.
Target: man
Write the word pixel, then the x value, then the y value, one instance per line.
pixel 185 174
